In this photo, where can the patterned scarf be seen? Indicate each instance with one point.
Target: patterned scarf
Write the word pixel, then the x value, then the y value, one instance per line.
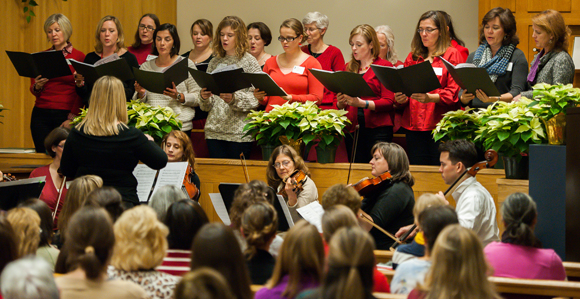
pixel 497 65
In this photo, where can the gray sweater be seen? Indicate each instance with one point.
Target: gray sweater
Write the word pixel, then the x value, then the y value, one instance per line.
pixel 555 68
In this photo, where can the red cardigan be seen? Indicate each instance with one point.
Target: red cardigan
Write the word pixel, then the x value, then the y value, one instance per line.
pixel 382 116
pixel 463 50
pixel 425 116
pixel 142 52
pixel 330 60
pixel 303 87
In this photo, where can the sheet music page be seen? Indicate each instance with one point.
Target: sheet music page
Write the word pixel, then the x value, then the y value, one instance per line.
pixel 286 210
pixel 172 174
pixel 223 67
pixel 220 207
pixel 107 59
pixel 40 179
pixel 576 52
pixel 312 213
pixel 145 177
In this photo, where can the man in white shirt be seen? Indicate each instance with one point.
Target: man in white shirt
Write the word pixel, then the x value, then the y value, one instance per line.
pixel 474 204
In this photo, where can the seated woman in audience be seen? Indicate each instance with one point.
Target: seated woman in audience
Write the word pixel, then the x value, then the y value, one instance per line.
pixel 182 97
pixel 10 242
pixel 45 250
pixel 458 268
pixel 178 148
pixel 140 245
pixel 290 70
pixel 422 111
pixel 224 256
pixel 456 42
pixel 497 53
pixel 391 206
pixel 203 283
pixel 85 256
pixel 102 144
pixel 141 48
pixel 184 219
pixel 163 198
pixel 299 264
pixel 201 35
pixel 520 254
pixel 109 40
pixel 259 36
pixel 26 225
pixel 553 65
pixel 387 43
pixel 373 115
pixel 51 193
pixel 283 163
pixel 330 57
pixel 259 226
pixel 227 111
pixel 412 272
pixel 57 102
pixel 28 278
pixel 107 198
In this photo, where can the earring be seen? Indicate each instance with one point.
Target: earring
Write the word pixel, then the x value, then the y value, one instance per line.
pixel 550 41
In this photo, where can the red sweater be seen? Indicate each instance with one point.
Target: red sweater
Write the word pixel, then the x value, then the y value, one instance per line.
pixel 143 51
pixel 303 87
pixel 425 116
pixel 463 50
pixel 330 60
pixel 59 93
pixel 382 115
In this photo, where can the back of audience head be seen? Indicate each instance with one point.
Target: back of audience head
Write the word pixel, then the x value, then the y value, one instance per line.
pixel 108 198
pixel 336 217
pixel 9 241
pixel 203 283
pixel 163 198
pixel 301 256
pixel 141 240
pixel 89 243
pixel 520 214
pixel 26 225
pixel 424 201
pixel 343 195
pixel 28 278
pixel 225 257
pixel 45 214
pixel 433 220
pixel 259 226
pixel 184 219
pixel 76 197
pixel 246 195
pixel 350 264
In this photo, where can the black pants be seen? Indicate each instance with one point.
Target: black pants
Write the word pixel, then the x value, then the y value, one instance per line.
pixel 421 147
pixel 366 140
pixel 228 149
pixel 42 122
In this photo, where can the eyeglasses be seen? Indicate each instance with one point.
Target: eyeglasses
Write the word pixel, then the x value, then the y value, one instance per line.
pixel 149 28
pixel 287 39
pixel 310 29
pixel 284 163
pixel 428 30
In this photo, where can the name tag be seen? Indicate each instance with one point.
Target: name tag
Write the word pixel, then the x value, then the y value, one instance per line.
pixel 438 71
pixel 150 57
pixel 298 70
pixel 510 66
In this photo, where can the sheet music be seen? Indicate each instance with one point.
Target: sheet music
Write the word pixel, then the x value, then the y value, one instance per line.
pixel 286 210
pixel 145 178
pixel 172 174
pixel 40 179
pixel 107 59
pixel 576 52
pixel 220 207
pixel 223 67
pixel 312 213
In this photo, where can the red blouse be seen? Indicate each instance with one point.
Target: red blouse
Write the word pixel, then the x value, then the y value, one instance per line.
pixel 330 60
pixel 50 192
pixel 463 50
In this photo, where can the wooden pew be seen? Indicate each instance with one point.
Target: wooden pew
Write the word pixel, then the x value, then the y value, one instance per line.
pixel 389 296
pixel 383 256
pixel 388 274
pixel 572 270
pixel 552 288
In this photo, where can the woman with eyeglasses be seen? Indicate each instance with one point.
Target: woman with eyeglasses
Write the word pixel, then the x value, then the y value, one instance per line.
pixel 291 70
pixel 330 57
pixel 422 111
pixel 142 46
pixel 282 164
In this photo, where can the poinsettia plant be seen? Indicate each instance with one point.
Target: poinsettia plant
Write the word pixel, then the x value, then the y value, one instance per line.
pixel 329 129
pixel 459 124
pixel 555 99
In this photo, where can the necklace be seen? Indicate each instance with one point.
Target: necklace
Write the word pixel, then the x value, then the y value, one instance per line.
pixel 262 57
pixel 364 69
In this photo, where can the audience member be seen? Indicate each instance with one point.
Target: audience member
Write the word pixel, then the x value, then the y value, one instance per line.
pixel 10 242
pixel 203 283
pixel 165 197
pixel 259 226
pixel 108 198
pixel 28 278
pixel 26 225
pixel 45 250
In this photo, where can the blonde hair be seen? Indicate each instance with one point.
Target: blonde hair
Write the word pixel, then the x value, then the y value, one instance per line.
pixel 259 225
pixel 241 32
pixel 63 22
pixel 552 22
pixel 301 255
pixel 336 217
pixel 120 36
pixel 107 110
pixel 424 201
pixel 370 36
pixel 141 240
pixel 392 56
pixel 76 197
pixel 341 194
pixel 459 269
pixel 443 42
pixel 26 225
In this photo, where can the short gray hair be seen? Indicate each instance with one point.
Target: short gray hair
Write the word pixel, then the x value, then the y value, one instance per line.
pixel 28 278
pixel 392 56
pixel 163 198
pixel 320 20
pixel 62 21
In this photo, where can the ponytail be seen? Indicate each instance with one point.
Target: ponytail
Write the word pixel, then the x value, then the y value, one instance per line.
pixel 259 224
pixel 90 263
pixel 519 214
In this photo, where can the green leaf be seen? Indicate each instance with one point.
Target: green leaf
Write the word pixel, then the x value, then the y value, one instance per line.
pixel 28 19
pixel 25 9
pixel 166 128
pixel 31 13
pixel 32 3
pixel 526 135
pixel 308 138
pixel 503 135
pixel 514 138
pixel 285 123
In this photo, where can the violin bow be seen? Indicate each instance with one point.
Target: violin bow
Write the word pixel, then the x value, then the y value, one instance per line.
pixel 59 196
pixel 353 152
pixel 370 221
pixel 245 167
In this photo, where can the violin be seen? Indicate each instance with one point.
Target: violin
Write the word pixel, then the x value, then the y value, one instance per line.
pixel 299 178
pixel 8 177
pixel 190 187
pixel 368 186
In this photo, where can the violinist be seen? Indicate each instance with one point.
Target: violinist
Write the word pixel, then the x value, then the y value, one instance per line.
pixel 298 190
pixel 391 205
pixel 178 148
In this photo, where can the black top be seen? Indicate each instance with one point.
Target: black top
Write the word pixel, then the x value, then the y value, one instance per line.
pixel 113 158
pixel 85 91
pixel 261 266
pixel 199 114
pixel 391 208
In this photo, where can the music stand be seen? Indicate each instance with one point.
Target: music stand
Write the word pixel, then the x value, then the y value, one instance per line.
pixel 13 193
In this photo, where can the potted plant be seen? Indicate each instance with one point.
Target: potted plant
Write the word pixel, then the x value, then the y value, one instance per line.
pixel 262 129
pixel 328 128
pixel 459 124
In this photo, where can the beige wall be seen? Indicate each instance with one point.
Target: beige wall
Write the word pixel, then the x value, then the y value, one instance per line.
pixel 344 15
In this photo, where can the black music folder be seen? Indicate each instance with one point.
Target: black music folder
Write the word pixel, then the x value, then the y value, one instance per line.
pixel 418 78
pixel 265 83
pixel 227 81
pixel 117 68
pixel 48 64
pixel 15 192
pixel 471 78
pixel 158 81
pixel 351 84
pixel 202 66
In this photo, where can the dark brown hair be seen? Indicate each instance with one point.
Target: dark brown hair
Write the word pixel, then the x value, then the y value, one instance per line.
pixel 203 283
pixel 397 160
pixel 54 138
pixel 273 179
pixel 205 25
pixel 433 220
pixel 265 32
pixel 246 195
pixel 452 34
pixel 519 212
pixel 173 32
pixel 443 42
pixel 184 218
pixel 508 24
pixel 259 225
pixel 108 198
pixel 341 194
pixel 155 19
pixel 9 241
pixel 460 150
